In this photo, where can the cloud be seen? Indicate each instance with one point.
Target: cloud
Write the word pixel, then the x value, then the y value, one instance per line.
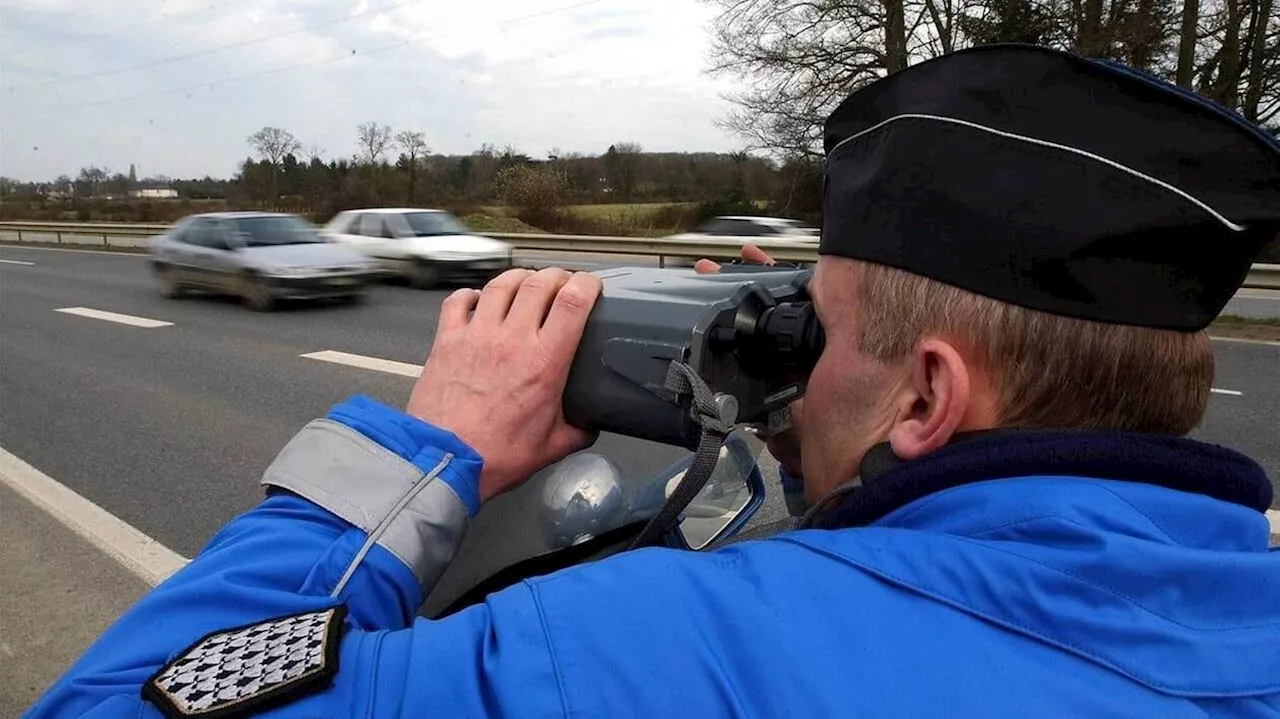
pixel 175 87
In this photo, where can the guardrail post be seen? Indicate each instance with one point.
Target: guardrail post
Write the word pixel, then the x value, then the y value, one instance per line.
pixel 104 240
pixel 662 262
pixel 19 235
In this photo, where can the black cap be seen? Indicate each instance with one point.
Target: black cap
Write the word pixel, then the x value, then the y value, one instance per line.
pixel 1040 178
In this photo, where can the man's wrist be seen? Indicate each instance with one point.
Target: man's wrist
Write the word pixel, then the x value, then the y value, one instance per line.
pixel 410 487
pixel 417 442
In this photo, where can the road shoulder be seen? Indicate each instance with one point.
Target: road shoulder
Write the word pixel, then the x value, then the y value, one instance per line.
pixel 61 592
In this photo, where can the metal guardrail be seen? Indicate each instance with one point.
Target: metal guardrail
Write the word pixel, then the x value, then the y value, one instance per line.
pixel 1261 276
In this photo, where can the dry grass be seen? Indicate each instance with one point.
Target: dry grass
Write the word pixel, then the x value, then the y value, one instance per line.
pixel 1249 328
pixel 489 222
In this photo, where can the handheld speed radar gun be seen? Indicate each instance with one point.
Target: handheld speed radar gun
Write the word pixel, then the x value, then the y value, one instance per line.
pixel 751 337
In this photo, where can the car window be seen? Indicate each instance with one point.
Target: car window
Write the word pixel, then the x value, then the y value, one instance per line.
pixel 428 224
pixel 374 225
pixel 205 232
pixel 742 228
pixel 344 223
pixel 185 230
pixel 267 230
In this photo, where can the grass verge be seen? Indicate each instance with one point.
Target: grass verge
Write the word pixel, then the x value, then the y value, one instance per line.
pixel 481 222
pixel 1248 328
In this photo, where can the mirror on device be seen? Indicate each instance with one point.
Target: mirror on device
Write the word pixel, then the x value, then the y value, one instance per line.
pixel 730 497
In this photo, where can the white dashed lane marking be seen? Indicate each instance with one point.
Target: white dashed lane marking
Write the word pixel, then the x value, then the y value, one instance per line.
pixel 17 262
pixel 404 369
pixel 131 320
pixel 1232 392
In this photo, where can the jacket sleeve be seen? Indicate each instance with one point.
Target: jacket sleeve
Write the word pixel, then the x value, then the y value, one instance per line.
pixel 365 509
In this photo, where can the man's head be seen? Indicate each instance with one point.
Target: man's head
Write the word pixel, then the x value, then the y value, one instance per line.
pixel 913 361
pixel 1019 237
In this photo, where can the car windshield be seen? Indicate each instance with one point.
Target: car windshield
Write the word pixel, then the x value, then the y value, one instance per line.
pixel 426 224
pixel 275 230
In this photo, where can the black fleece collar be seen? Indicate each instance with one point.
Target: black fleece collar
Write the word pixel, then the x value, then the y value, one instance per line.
pixel 1174 462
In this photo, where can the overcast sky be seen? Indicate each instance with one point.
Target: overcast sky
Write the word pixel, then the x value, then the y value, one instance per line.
pixel 175 86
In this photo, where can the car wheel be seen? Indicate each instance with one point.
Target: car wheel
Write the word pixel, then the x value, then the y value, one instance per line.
pixel 255 294
pixel 424 276
pixel 169 285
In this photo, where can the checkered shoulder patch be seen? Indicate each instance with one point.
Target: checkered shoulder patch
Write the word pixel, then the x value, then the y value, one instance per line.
pixel 233 672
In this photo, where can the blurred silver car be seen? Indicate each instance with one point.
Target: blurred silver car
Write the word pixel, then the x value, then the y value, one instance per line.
pixel 260 257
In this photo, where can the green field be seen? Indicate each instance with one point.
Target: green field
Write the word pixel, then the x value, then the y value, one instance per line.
pixel 636 211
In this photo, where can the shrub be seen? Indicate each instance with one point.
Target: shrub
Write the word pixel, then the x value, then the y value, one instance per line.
pixel 538 193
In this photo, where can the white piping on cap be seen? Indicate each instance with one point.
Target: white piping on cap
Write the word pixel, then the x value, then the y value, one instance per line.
pixel 1045 143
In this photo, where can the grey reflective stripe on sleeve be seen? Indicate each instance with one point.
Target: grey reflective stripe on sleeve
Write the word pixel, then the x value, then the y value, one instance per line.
pixel 410 513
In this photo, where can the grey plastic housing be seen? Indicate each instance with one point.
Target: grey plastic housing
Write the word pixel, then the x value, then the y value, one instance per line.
pixel 648 317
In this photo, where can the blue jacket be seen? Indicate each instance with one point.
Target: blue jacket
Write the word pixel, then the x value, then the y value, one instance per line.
pixel 1040 594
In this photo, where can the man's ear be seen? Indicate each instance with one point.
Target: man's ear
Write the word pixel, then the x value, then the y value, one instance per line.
pixel 934 401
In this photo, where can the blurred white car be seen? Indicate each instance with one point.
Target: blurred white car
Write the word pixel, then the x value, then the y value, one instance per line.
pixel 738 229
pixel 425 246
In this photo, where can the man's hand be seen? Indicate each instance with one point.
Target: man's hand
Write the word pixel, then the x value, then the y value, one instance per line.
pixel 784 447
pixel 498 368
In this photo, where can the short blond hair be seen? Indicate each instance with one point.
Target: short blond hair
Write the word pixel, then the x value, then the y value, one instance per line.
pixel 1048 371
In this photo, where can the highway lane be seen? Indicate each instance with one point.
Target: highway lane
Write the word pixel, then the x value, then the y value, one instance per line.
pixel 169 428
pixel 1257 304
pixel 1251 303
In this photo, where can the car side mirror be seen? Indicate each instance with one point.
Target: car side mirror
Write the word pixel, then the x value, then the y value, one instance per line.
pixel 726 502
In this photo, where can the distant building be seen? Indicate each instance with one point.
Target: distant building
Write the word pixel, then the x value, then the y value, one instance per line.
pixel 155 193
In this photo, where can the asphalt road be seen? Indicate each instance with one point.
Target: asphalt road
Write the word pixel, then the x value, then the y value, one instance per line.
pixel 169 428
pixel 1258 304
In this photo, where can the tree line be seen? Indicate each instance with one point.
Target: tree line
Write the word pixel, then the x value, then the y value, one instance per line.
pixel 796 59
pixel 389 167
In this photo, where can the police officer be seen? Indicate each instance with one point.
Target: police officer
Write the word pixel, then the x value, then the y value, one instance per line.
pixel 1021 250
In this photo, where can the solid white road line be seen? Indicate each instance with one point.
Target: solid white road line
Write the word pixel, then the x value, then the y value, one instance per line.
pixel 1251 293
pixel 404 369
pixel 1231 392
pixel 1244 341
pixel 114 317
pixel 16 262
pixel 35 246
pixel 150 560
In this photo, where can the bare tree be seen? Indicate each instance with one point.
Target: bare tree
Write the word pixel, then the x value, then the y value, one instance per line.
pixel 414 146
pixel 314 152
pixel 373 140
pixel 272 145
pixel 1187 42
pixel 622 164
pixel 795 60
pixel 91 180
pixel 1262 78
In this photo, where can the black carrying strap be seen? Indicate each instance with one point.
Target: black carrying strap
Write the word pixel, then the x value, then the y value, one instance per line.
pixel 761 531
pixel 683 380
